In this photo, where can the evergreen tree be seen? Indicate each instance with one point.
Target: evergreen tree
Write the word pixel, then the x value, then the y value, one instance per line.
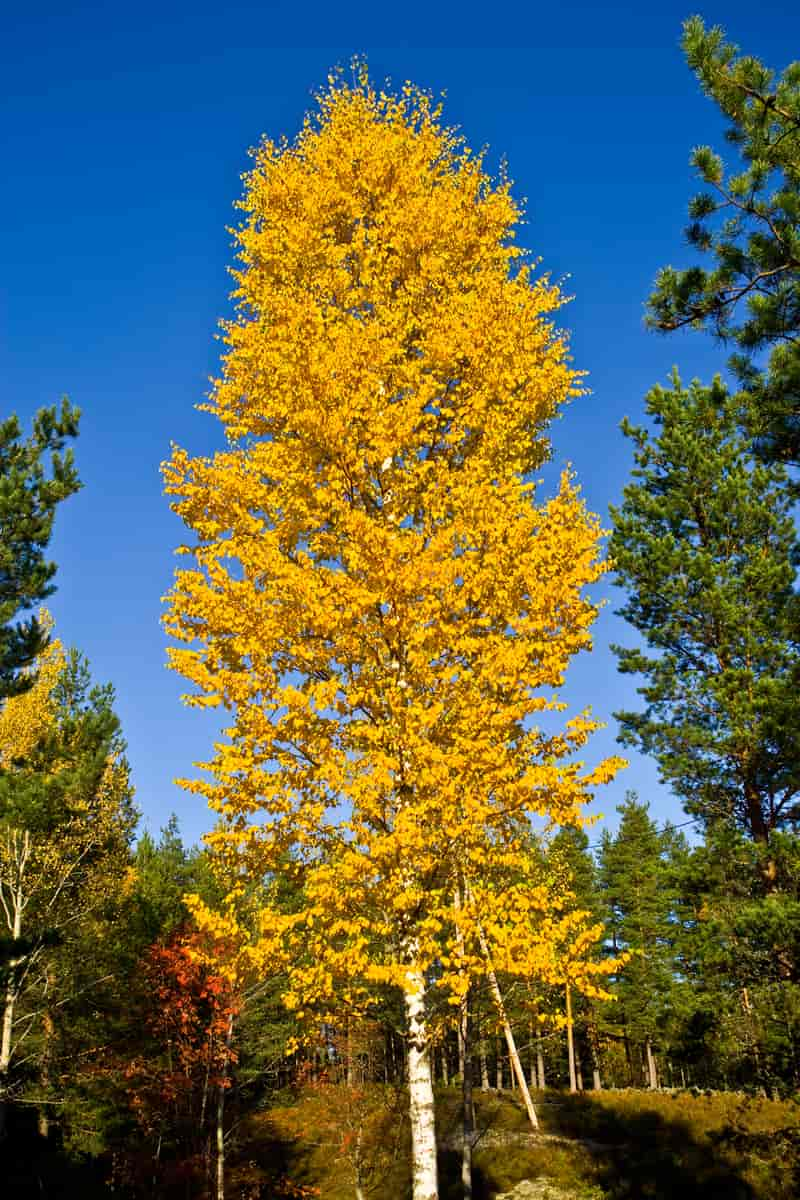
pixel 748 222
pixel 739 1003
pixel 66 819
pixel 29 494
pixel 164 872
pixel 640 905
pixel 705 544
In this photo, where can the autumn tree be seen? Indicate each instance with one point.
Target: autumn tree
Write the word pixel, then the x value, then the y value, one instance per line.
pixel 378 596
pixel 745 228
pixel 179 1067
pixel 31 488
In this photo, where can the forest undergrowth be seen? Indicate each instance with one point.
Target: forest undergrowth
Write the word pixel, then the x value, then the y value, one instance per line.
pixel 613 1145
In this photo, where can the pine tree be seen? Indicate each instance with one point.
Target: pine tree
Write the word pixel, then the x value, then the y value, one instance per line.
pixel 66 819
pixel 705 544
pixel 748 221
pixel 640 903
pixel 29 496
pixel 377 597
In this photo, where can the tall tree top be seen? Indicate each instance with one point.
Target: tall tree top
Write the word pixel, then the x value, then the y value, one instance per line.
pixel 376 595
pixel 747 222
pixel 30 490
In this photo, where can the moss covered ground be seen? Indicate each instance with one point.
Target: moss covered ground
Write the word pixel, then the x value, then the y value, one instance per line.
pixel 616 1145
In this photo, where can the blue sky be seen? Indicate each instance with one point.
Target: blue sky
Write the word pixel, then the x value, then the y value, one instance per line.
pixel 126 130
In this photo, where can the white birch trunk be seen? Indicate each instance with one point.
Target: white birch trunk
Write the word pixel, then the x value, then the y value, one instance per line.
pixel 573 1083
pixel 541 1080
pixel 420 1089
pixel 13 900
pixel 483 1063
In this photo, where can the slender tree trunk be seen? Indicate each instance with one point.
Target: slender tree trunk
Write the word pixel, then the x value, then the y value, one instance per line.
pixel 594 1050
pixel 221 1112
pixel 20 849
pixel 516 1065
pixel 573 1083
pixel 747 1009
pixel 420 1087
pixel 483 1064
pixel 468 1112
pixel 445 1072
pixel 531 1055
pixel 652 1077
pixel 498 1065
pixel 48 1031
pixel 541 1080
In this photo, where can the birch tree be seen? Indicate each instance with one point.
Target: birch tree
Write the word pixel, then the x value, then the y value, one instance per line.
pixel 376 592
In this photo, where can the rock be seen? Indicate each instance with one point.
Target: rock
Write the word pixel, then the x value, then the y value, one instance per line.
pixel 535 1189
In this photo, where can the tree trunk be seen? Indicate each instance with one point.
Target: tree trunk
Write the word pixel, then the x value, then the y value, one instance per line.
pixel 573 1083
pixel 468 1112
pixel 48 1031
pixel 542 1082
pixel 420 1090
pixel 20 853
pixel 221 1112
pixel 594 1050
pixel 498 1065
pixel 516 1065
pixel 652 1078
pixel 483 1064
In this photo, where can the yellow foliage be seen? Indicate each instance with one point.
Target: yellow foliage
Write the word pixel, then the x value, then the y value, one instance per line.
pixel 377 596
pixel 26 718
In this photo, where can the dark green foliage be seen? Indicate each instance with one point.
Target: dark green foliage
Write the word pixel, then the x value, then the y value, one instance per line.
pixel 737 1008
pixel 71 798
pixel 705 545
pixel 29 494
pixel 638 886
pixel 747 222
pixel 165 872
pixel 68 763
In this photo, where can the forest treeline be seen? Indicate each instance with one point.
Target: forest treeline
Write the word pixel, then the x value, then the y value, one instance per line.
pixel 401 893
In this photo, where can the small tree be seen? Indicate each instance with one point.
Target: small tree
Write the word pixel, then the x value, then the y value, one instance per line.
pixel 376 597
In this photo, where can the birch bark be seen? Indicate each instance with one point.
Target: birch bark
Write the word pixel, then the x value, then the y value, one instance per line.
pixel 425 1185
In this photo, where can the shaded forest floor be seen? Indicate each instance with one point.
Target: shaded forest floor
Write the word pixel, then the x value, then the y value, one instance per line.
pixel 625 1145
pixel 619 1145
